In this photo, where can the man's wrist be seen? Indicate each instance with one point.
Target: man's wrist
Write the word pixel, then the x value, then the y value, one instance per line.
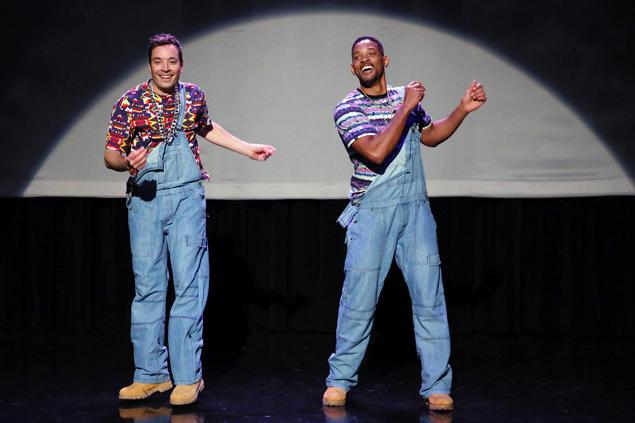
pixel 463 110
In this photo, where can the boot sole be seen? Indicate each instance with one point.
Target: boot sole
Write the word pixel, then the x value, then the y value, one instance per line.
pixel 333 403
pixel 162 387
pixel 438 407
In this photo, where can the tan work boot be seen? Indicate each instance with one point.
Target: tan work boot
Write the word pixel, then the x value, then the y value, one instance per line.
pixel 334 396
pixel 186 394
pixel 439 402
pixel 140 390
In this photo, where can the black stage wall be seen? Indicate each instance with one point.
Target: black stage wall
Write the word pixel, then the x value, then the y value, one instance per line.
pixel 511 266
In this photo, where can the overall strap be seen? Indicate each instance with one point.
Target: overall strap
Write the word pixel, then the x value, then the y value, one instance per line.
pixel 179 122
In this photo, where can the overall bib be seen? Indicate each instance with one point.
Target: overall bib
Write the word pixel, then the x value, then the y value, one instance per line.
pixel 166 218
pixel 393 219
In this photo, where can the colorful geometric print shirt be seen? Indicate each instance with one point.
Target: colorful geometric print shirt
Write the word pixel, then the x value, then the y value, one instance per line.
pixel 358 116
pixel 133 124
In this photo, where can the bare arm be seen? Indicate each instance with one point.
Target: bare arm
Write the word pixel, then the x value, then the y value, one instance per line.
pixel 221 137
pixel 442 129
pixel 376 148
pixel 115 161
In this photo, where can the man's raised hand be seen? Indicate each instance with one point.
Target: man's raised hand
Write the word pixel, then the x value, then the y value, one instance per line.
pixel 474 97
pixel 413 94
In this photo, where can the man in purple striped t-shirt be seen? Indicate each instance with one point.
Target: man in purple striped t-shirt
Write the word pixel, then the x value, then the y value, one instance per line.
pixel 360 115
pixel 389 217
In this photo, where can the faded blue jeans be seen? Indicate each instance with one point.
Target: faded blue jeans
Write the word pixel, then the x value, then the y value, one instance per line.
pixel 393 219
pixel 167 219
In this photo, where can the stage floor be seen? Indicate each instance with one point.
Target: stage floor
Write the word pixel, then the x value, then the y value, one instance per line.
pixel 279 377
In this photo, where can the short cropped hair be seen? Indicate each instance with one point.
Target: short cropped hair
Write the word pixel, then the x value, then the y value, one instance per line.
pixel 162 40
pixel 380 46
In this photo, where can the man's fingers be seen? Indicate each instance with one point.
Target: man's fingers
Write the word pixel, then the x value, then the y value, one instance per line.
pixel 137 158
pixel 476 95
pixel 476 87
pixel 476 91
pixel 136 163
pixel 415 85
pixel 137 153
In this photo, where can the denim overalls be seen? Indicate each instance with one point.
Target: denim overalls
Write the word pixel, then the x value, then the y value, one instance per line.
pixel 166 217
pixel 393 219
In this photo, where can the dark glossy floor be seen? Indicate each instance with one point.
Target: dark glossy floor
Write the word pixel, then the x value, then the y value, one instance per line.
pixel 278 377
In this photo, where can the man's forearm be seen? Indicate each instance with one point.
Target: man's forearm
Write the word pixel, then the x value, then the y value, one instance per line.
pixel 443 129
pixel 115 161
pixel 377 147
pixel 222 138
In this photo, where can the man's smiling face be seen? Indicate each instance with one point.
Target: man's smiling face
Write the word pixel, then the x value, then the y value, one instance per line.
pixel 165 68
pixel 368 62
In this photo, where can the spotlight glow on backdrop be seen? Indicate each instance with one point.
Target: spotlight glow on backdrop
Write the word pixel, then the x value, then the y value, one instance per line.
pixel 277 79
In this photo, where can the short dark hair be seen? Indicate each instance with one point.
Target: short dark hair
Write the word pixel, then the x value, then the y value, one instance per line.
pixel 380 46
pixel 163 40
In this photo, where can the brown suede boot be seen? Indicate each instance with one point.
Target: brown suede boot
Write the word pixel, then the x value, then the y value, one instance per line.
pixel 140 390
pixel 439 402
pixel 334 396
pixel 186 394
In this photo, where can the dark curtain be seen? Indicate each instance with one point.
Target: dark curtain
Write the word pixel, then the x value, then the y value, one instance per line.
pixel 511 266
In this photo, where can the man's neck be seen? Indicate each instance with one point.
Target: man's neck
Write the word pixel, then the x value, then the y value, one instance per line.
pixel 377 89
pixel 159 91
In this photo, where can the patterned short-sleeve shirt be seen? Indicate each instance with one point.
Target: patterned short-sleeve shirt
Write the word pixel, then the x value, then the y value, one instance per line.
pixel 358 116
pixel 133 124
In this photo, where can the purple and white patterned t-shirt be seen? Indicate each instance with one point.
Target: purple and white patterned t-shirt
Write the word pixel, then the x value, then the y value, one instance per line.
pixel 358 116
